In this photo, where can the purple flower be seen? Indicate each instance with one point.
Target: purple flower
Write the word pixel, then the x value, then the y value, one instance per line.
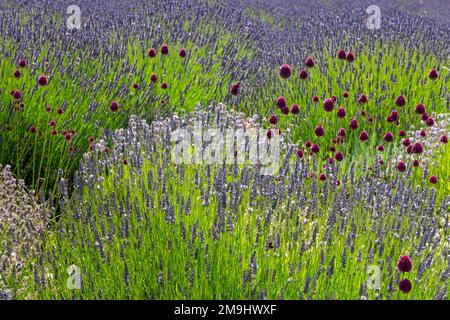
pixel 388 137
pixel 350 57
pixel 342 54
pixel 401 166
pixel 273 119
pixel 404 264
pixel 405 285
pixel 303 74
pixel 417 148
pixel 420 109
pixel 285 71
pixel 364 136
pixel 319 131
pixel 341 112
pixel 310 62
pixel 433 179
pixel 182 53
pixel 328 105
pixel 400 101
pixel 165 49
pixel 433 75
pixel 295 109
pixel 152 52
pixel 281 102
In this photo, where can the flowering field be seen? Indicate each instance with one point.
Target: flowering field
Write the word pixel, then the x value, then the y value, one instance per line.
pixel 194 149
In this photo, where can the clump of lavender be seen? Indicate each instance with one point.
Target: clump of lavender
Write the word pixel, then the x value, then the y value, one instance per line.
pixel 22 224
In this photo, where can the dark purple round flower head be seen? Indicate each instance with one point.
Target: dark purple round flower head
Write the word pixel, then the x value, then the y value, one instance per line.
pixel 423 133
pixel 389 119
pixel 136 85
pixel 417 148
pixel 319 131
pixel 424 116
pixel 341 113
pixel 332 148
pixel 400 101
pixel 32 130
pixel 273 119
pixel 345 94
pixel 295 109
pixel 299 153
pixel 303 74
pixel 322 177
pixel 339 156
pixel 380 148
pixel 353 124
pixel 285 110
pixel 430 122
pixel 308 144
pixel 23 63
pixel 165 49
pixel 328 105
pixel 17 74
pixel 42 80
pixel 394 115
pixel 315 148
pixel 182 52
pixel 420 109
pixel 405 286
pixel 269 134
pixel 409 149
pixel 341 132
pixel 404 264
pixel 315 99
pixel 433 179
pixel 234 89
pixel 388 137
pixel 416 163
pixel 285 71
pixel 444 139
pixel 364 136
pixel 401 166
pixel 342 54
pixel 114 106
pixel 17 94
pixel 350 57
pixel 310 62
pixel 362 99
pixel 401 133
pixel 434 74
pixel 152 52
pixel 406 142
pixel 163 86
pixel 281 102
pixel 154 78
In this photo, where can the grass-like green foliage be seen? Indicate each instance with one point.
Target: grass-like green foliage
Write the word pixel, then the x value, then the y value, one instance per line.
pixel 151 229
pixel 84 90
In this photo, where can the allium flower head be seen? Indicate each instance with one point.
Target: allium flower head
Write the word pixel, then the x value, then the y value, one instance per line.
pixel 388 137
pixel 350 57
pixel 433 179
pixel 295 109
pixel 42 80
pixel 433 74
pixel 401 133
pixel 281 102
pixel 380 148
pixel 401 166
pixel 114 106
pixel 319 131
pixel 362 99
pixel 341 112
pixel 328 105
pixel 339 156
pixel 364 136
pixel 353 124
pixel 152 52
pixel 17 74
pixel 404 264
pixel 322 177
pixel 405 286
pixel 315 99
pixel 285 110
pixel 430 122
pixel 342 54
pixel 315 148
pixel 234 88
pixel 345 94
pixel 400 101
pixel 303 74
pixel 273 119
pixel 23 63
pixel 165 49
pixel 417 148
pixel 285 71
pixel 182 53
pixel 299 153
pixel 163 85
pixel 444 139
pixel 420 109
pixel 310 62
pixel 269 134
pixel 341 132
